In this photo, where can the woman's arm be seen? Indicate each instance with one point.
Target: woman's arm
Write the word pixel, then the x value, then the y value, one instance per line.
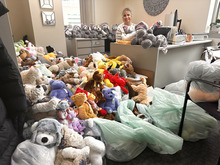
pixel 121 35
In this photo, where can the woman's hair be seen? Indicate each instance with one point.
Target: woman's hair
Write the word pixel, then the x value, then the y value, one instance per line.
pixel 126 9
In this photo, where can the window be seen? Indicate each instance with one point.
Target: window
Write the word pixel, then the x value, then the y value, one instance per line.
pixel 218 14
pixel 71 12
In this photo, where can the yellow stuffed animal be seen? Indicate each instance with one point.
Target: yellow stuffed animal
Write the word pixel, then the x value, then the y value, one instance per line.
pixel 84 108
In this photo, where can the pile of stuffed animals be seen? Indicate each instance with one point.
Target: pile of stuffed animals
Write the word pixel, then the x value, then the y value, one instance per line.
pixel 92 31
pixel 64 94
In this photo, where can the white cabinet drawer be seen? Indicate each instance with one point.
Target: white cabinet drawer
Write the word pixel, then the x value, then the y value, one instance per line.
pixel 98 49
pixel 98 43
pixel 84 51
pixel 83 44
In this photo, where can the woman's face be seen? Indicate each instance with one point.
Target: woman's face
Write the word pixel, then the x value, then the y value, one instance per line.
pixel 127 18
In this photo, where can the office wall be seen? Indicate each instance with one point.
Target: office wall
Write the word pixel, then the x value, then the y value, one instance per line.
pixel 20 20
pixel 48 35
pixel 109 11
pixel 6 35
pixel 196 15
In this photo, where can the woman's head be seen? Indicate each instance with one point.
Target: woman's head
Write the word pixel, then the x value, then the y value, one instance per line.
pixel 126 16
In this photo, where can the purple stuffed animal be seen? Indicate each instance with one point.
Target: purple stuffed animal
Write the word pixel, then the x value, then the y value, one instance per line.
pixel 75 123
pixel 67 116
pixel 60 91
pixel 111 104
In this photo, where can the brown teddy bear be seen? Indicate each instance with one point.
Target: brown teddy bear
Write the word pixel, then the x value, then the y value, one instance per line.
pixel 88 60
pixel 95 86
pixel 142 93
pixel 84 108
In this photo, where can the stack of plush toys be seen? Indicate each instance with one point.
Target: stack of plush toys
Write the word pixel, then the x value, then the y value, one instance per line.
pixel 92 31
pixel 64 94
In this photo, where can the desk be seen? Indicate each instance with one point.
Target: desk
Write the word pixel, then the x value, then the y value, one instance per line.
pixel 167 68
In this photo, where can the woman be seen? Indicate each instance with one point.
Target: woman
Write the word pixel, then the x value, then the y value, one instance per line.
pixel 126 30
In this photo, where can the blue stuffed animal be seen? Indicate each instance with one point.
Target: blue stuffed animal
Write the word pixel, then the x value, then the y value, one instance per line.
pixel 60 91
pixel 111 104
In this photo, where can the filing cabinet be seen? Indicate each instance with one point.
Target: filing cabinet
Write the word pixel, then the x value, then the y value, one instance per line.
pixel 82 47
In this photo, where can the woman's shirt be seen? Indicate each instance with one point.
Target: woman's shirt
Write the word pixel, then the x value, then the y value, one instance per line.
pixel 125 32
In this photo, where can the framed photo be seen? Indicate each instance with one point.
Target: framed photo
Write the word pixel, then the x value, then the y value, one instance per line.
pixel 48 18
pixel 46 4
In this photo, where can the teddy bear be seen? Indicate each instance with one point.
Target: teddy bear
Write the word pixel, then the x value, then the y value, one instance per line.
pixel 41 148
pixel 111 104
pixel 40 106
pixel 95 86
pixel 26 59
pixel 31 76
pixel 67 116
pixel 142 96
pixel 75 149
pixel 96 109
pixel 62 66
pixel 71 77
pixel 60 90
pixel 88 60
pixel 84 108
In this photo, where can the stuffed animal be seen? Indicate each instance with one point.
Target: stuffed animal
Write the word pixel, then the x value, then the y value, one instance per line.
pixel 75 149
pixel 83 107
pixel 40 106
pixel 44 70
pixel 88 60
pixel 96 57
pixel 61 66
pixel 67 116
pixel 91 128
pixel 41 149
pixel 71 77
pixel 59 90
pixel 96 109
pixel 129 69
pixel 31 76
pixel 111 104
pixel 142 93
pixel 27 60
pixel 116 81
pixel 95 86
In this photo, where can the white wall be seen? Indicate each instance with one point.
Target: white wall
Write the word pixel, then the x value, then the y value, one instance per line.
pixel 108 11
pixel 194 13
pixel 48 35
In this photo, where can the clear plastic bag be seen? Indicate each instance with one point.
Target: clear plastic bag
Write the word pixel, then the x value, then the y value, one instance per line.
pixel 166 112
pixel 126 140
pixel 122 142
pixel 158 140
pixel 203 70
pixel 28 153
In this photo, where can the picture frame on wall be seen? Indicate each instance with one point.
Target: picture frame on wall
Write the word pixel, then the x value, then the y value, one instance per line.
pixel 46 4
pixel 48 18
